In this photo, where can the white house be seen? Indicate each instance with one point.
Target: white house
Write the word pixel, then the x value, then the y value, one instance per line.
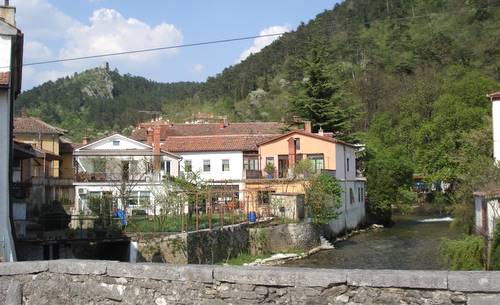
pixel 487 203
pixel 123 169
pixel 223 154
pixel 11 41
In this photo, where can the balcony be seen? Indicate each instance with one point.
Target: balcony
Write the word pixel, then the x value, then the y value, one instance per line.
pixel 117 177
pixel 251 174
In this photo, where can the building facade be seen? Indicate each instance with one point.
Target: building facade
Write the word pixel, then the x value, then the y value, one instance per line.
pixel 325 154
pixel 125 170
pixel 11 42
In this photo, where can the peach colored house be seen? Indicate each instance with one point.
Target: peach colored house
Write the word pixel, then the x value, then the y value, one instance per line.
pixel 326 153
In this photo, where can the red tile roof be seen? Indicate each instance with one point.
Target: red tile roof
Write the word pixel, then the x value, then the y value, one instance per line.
pixel 494 96
pixel 215 143
pixel 326 137
pixel 34 125
pixel 211 129
pixel 4 78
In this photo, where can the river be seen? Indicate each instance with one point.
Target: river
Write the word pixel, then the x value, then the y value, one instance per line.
pixel 411 244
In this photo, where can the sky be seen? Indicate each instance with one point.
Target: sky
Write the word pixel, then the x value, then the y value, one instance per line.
pixel 56 29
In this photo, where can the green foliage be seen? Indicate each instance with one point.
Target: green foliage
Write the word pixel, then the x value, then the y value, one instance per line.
pixel 303 169
pixel 322 196
pixel 321 98
pixel 101 208
pixel 463 254
pixel 495 249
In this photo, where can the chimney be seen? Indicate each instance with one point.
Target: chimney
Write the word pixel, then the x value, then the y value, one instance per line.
pixel 495 101
pixel 156 148
pixel 223 123
pixel 7 13
pixel 85 138
pixel 307 126
pixel 321 132
pixel 149 136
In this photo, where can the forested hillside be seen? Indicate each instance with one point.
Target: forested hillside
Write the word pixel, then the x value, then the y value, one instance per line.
pixel 100 101
pixel 407 77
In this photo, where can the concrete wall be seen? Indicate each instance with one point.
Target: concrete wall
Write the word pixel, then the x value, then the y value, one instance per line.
pixel 280 238
pixel 216 174
pixel 99 282
pixel 202 247
pixel 492 214
pixel 352 211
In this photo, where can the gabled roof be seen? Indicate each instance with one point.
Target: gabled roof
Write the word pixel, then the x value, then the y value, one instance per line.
pixel 35 125
pixel 144 147
pixel 245 143
pixel 209 129
pixel 494 96
pixel 326 138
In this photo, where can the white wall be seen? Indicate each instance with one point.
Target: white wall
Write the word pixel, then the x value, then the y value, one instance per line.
pixel 496 129
pixel 216 174
pixel 5 50
pixel 124 144
pixel 342 153
pixel 352 214
pixel 6 242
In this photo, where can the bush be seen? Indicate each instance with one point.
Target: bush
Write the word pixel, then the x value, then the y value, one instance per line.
pixel 463 254
pixel 323 198
pixel 495 250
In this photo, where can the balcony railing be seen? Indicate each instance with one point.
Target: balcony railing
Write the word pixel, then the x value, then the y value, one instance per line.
pixel 116 177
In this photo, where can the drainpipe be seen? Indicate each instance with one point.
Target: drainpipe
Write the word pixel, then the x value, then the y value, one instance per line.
pixel 345 191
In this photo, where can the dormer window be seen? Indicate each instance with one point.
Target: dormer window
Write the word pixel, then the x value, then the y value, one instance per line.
pixel 116 142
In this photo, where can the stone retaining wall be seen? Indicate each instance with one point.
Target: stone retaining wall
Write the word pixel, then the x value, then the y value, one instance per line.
pixel 199 247
pixel 283 237
pixel 99 282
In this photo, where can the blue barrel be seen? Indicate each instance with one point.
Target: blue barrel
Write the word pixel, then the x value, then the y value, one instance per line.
pixel 252 216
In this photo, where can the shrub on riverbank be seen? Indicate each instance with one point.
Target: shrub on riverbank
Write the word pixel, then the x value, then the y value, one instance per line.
pixel 463 254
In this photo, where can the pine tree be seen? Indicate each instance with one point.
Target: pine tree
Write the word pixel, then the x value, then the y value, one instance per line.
pixel 320 96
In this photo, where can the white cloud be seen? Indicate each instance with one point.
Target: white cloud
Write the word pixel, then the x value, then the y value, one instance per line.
pixel 52 34
pixel 41 21
pixel 36 51
pixel 198 68
pixel 109 32
pixel 262 42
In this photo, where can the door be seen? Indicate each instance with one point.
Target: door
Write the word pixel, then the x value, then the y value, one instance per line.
pixel 282 166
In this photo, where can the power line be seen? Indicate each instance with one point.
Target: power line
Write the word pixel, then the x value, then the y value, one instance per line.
pixel 149 50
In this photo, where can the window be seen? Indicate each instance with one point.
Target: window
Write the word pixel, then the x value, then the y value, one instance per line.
pixel 297 143
pixel 225 165
pixel 144 198
pixel 351 196
pixel 125 170
pixel 251 164
pixel 132 200
pixel 206 165
pixel 165 168
pixel 359 194
pixel 116 142
pixel 317 161
pixel 188 166
pixel 347 164
pixel 270 160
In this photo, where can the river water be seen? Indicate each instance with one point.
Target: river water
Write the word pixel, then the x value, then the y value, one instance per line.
pixel 411 244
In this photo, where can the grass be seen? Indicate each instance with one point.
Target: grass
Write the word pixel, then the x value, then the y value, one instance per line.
pixel 245 258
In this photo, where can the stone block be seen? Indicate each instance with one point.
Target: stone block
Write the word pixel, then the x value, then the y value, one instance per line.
pixel 71 266
pixel 284 277
pixel 184 273
pixel 470 281
pixel 398 278
pixel 482 299
pixel 14 294
pixel 23 268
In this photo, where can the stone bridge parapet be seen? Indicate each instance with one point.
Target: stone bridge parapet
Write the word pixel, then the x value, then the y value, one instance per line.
pixel 103 282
